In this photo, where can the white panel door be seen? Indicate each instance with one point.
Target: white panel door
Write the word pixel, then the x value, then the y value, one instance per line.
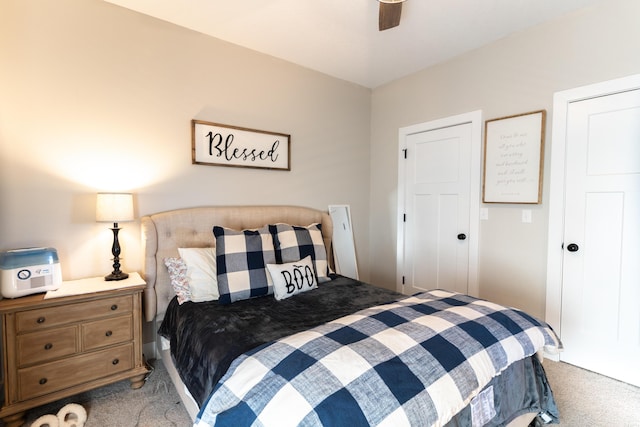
pixel 437 200
pixel 600 321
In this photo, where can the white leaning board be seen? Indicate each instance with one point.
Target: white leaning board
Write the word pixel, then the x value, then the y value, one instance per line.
pixel 344 252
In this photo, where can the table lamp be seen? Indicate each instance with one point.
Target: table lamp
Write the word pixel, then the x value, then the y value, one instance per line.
pixel 115 207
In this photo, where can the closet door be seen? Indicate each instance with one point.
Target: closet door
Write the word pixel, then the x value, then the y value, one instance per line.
pixel 438 204
pixel 600 322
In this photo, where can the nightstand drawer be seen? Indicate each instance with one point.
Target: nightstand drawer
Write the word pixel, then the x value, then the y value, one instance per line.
pixel 106 332
pixel 32 320
pixel 46 345
pixel 54 376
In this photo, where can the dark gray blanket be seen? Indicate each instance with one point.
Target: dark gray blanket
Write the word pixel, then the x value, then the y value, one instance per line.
pixel 206 337
pixel 522 388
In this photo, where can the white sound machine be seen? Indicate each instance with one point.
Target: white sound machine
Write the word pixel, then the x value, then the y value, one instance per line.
pixel 29 271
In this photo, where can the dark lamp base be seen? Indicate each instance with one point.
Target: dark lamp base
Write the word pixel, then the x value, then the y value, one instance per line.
pixel 116 276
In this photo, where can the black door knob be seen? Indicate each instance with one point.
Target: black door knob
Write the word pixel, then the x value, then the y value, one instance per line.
pixel 462 236
pixel 572 247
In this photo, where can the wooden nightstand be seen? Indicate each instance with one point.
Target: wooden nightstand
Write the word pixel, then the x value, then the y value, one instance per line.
pixel 58 347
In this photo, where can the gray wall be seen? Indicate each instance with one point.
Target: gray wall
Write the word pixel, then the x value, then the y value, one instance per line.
pixel 95 97
pixel 98 98
pixel 515 75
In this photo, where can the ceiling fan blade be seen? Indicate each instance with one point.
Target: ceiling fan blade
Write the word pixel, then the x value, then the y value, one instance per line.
pixel 389 15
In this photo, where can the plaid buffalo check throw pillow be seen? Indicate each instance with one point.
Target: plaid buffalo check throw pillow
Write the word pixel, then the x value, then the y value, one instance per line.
pixel 242 258
pixel 293 243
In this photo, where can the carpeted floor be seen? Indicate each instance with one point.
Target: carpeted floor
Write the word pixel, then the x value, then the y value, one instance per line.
pixel 156 404
pixel 585 399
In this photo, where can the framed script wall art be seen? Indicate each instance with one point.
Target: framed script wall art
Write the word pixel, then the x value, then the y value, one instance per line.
pixel 222 145
pixel 513 158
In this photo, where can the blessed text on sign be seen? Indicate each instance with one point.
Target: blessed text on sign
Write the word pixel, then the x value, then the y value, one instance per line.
pixel 223 145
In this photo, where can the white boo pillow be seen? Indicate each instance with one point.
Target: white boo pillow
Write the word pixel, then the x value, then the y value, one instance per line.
pixel 292 278
pixel 201 273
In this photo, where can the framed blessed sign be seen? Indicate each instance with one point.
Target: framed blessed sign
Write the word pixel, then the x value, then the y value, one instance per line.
pixel 513 158
pixel 223 145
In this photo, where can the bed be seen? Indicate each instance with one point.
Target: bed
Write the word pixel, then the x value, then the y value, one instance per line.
pixel 315 348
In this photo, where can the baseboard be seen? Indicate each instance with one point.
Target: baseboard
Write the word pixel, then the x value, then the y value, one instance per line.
pixel 149 350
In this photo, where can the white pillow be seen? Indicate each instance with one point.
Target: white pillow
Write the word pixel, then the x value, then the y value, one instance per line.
pixel 201 273
pixel 292 278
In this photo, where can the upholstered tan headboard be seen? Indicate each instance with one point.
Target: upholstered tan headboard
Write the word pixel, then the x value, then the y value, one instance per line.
pixel 163 233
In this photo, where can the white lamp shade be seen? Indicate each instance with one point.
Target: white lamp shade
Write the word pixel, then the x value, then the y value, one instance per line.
pixel 114 207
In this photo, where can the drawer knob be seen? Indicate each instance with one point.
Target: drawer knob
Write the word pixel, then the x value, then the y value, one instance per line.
pixel 42 381
pixel 41 319
pixel 114 307
pixel 108 334
pixel 115 361
pixel 48 346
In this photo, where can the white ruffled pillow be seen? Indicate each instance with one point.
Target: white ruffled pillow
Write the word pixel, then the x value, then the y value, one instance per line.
pixel 178 274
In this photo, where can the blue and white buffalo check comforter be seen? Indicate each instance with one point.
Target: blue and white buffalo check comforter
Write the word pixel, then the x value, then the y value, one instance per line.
pixel 417 361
